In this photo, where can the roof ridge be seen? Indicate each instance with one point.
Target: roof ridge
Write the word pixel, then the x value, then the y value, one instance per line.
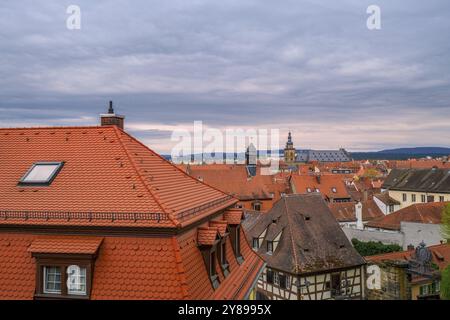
pixel 56 127
pixel 116 131
pixel 290 235
pixel 176 167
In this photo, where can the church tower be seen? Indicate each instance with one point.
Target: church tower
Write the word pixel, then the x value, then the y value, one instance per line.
pixel 289 151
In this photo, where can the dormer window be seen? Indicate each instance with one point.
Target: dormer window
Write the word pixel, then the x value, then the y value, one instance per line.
pixel 64 267
pixel 52 280
pixel 41 173
pixel 256 206
pixel 208 240
pixel 269 247
pixel 255 244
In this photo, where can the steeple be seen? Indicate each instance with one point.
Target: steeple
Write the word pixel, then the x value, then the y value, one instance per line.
pixel 289 150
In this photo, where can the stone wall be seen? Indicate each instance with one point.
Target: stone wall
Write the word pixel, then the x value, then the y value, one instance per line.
pixel 372 235
pixel 415 233
pixel 410 233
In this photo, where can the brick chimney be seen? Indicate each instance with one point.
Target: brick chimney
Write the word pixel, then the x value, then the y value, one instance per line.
pixel 110 118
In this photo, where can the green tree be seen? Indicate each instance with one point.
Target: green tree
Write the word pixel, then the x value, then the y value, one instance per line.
pixel 445 283
pixel 371 248
pixel 445 275
pixel 446 223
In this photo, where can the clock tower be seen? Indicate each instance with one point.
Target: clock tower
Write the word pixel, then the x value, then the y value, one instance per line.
pixel 289 151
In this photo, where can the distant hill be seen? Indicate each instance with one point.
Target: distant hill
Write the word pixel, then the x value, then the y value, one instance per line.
pixel 402 153
pixel 418 150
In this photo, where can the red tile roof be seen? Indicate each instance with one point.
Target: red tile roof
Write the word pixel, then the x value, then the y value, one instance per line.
pixel 220 225
pixel 106 171
pixel 325 183
pixel 441 255
pixel 135 268
pixel 420 213
pixel 234 180
pixel 111 180
pixel 207 236
pixel 67 245
pixel 233 216
pixel 345 211
pixel 418 164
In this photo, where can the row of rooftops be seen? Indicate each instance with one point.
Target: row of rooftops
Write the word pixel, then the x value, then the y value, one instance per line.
pixel 102 177
pixel 419 180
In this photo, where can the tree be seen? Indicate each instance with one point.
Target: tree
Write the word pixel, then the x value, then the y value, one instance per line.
pixel 445 275
pixel 371 173
pixel 445 284
pixel 446 223
pixel 372 248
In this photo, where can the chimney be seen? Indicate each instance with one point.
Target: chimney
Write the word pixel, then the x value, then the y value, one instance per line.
pixel 365 196
pixel 112 119
pixel 358 214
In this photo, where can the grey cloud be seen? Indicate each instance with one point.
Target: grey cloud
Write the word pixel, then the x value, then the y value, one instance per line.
pixel 309 66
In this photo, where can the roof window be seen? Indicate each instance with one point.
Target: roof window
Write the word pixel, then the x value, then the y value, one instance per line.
pixel 41 173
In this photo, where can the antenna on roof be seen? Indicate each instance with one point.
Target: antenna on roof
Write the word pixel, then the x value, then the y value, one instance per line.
pixel 111 109
pixel 110 118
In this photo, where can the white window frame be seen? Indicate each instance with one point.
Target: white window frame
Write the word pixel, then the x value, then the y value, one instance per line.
pixel 80 276
pixel 44 289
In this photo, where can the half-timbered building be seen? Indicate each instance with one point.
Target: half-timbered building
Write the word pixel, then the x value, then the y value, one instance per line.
pixel 307 254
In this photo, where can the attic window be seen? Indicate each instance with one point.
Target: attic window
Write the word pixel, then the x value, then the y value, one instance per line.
pixel 41 173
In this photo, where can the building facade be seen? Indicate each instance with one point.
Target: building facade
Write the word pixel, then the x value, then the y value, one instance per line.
pixel 408 275
pixel 411 186
pixel 293 156
pixel 308 256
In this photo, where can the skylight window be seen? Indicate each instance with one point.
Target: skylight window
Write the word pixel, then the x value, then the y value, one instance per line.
pixel 41 173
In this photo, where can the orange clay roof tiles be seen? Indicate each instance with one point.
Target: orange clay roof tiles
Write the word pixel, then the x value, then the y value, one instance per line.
pixel 220 225
pixel 111 180
pixel 207 236
pixel 441 255
pixel 233 216
pixel 67 245
pixel 330 185
pixel 134 268
pixel 105 171
pixel 419 212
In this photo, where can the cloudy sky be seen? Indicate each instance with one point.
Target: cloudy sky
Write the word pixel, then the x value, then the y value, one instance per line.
pixel 312 67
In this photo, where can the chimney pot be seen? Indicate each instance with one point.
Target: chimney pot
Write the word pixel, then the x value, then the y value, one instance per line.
pixel 110 118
